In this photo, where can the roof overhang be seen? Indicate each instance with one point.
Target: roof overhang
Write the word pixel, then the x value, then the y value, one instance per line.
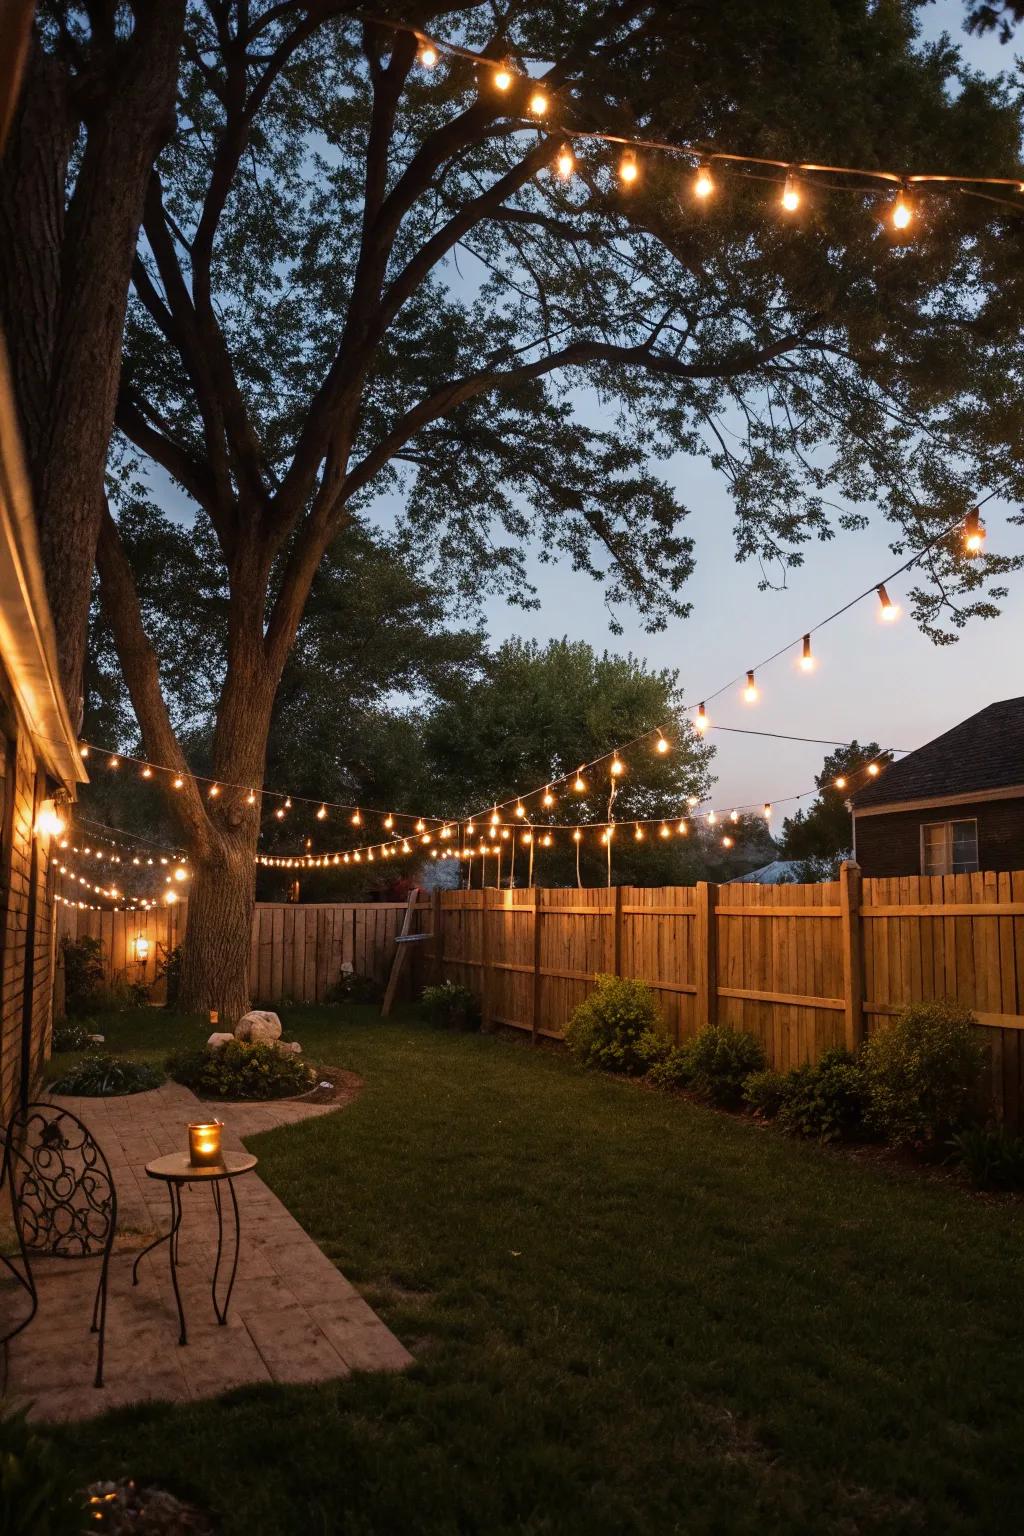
pixel 937 802
pixel 27 643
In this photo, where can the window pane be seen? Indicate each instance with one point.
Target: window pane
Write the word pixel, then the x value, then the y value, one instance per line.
pixel 965 846
pixel 936 848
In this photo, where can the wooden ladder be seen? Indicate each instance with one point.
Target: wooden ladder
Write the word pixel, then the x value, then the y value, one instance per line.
pixel 403 941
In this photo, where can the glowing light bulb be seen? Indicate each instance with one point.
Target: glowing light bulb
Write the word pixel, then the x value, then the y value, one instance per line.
pixel 548 799
pixel 580 783
pixel 49 822
pixel 250 798
pixel 806 655
pixel 321 814
pixel 767 811
pixel 213 791
pixel 356 819
pixel 180 874
pixel 661 745
pixel 495 818
pixel 617 768
pixel 840 783
pixel 113 762
pixel 638 833
pixel 527 837
pixel 577 836
pixel 147 772
pixel 703 182
pixel 701 720
pixel 791 193
pixel 628 168
pixel 170 897
pixel 428 55
pixel 902 210
pixel 734 815
pixel 727 842
pixel 712 818
pixel 279 813
pixel 546 840
pixel 389 821
pixel 421 825
pixel 874 770
pixel 750 693
pixel 974 532
pixel 664 831
pixel 565 162
pixel 503 78
pixel 889 611
pixel 520 809
pixel 538 103
pixel 682 828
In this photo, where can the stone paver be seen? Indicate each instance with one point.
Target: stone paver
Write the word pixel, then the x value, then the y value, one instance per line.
pixel 294 1317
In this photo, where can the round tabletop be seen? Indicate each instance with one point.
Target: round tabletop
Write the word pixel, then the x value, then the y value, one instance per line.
pixel 177 1169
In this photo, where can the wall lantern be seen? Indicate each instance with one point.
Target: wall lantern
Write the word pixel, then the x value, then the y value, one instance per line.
pixel 204 1144
pixel 49 821
pixel 142 949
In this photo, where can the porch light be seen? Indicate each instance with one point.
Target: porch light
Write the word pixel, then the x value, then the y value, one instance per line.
pixel 49 821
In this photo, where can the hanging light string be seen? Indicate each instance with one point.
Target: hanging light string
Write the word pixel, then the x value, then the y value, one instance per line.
pixel 119 837
pixel 706 158
pixel 970 527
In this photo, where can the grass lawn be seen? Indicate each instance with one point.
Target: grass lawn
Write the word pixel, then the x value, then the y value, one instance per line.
pixel 629 1315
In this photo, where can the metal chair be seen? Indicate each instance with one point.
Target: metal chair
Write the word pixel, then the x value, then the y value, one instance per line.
pixel 63 1202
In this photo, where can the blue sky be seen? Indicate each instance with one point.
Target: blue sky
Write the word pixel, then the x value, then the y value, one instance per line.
pixel 872 681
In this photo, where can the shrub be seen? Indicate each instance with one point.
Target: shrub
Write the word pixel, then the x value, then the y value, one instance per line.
pixel 71 1035
pixel 350 988
pixel 450 1006
pixel 169 970
pixel 37 1492
pixel 99 1076
pixel 825 1102
pixel 674 1070
pixel 83 973
pixel 922 1072
pixel 991 1157
pixel 239 1070
pixel 615 1028
pixel 765 1092
pixel 721 1061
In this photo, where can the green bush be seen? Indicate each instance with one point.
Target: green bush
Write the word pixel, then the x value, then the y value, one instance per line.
pixel 71 1035
pixel 991 1157
pixel 674 1070
pixel 169 970
pixel 37 1494
pixel 765 1092
pixel 450 1006
pixel 238 1070
pixel 350 988
pixel 922 1073
pixel 99 1076
pixel 826 1101
pixel 615 1028
pixel 83 974
pixel 721 1061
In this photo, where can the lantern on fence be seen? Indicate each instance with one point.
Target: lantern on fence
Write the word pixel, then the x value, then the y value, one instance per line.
pixel 204 1149
pixel 141 949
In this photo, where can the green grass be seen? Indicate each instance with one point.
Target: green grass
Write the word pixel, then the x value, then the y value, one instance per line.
pixel 629 1314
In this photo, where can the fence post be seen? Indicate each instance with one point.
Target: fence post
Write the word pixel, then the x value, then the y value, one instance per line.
pixel 535 992
pixel 436 947
pixel 853 954
pixel 485 956
pixel 617 930
pixel 706 945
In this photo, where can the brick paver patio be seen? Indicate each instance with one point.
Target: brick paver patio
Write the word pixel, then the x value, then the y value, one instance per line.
pixel 294 1317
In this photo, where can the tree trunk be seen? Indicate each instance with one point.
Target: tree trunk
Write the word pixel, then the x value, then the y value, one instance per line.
pixel 218 930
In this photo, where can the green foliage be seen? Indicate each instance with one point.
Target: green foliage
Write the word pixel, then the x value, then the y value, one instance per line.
pixel 765 1092
pixel 98 1075
pixel 38 1496
pixel 169 970
pixel 350 988
pixel 450 1006
pixel 991 1156
pixel 83 974
pixel 823 835
pixel 239 1070
pixel 721 1061
pixel 922 1072
pixel 674 1070
pixel 826 1101
pixel 72 1034
pixel 615 1027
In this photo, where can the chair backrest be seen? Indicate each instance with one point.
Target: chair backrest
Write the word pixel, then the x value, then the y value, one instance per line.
pixel 62 1190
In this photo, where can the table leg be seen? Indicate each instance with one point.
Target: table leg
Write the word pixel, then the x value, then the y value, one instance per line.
pixel 172 1250
pixel 222 1312
pixel 163 1238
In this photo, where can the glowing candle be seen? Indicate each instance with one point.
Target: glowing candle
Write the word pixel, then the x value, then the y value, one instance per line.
pixel 204 1144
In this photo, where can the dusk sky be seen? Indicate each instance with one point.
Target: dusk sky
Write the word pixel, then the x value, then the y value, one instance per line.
pixel 873 681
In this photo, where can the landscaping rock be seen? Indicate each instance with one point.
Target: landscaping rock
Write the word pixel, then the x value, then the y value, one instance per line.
pixel 289 1046
pixel 259 1026
pixel 216 1040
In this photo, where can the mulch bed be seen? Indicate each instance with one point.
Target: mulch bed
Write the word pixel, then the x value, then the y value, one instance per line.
pixel 335 1086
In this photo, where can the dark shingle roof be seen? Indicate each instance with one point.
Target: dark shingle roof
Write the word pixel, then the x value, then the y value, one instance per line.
pixel 984 752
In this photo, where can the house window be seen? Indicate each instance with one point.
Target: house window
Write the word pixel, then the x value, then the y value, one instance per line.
pixel 949 847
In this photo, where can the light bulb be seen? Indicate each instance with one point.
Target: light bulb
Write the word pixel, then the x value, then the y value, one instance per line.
pixel 902 211
pixel 520 809
pixel 840 783
pixel 180 874
pixel 638 833
pixel 527 837
pixel 321 814
pixel 889 611
pixel 428 55
pixel 577 836
pixel 421 825
pixel 661 745
pixel 682 829
pixel 617 768
pixel 279 813
pixel 974 532
pixel 791 193
pixel 113 762
pixel 750 691
pixel 664 831
pixel 874 770
pixel 580 783
pixel 806 656
pixel 147 772
pixel 546 840
pixel 503 78
pixel 712 818
pixel 250 798
pixel 389 821
pixel 213 791
pixel 356 819
pixel 49 821
pixel 538 103
pixel 701 721
pixel 726 842
pixel 703 183
pixel 628 168
pixel 170 897
pixel 565 162
pixel 548 798
pixel 767 811
pixel 734 815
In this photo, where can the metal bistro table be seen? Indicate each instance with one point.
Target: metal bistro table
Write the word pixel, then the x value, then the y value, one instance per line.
pixel 176 1170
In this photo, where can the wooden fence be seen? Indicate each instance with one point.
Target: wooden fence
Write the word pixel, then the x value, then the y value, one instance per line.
pixel 297 950
pixel 803 967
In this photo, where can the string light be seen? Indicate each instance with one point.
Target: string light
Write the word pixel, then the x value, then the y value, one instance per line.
pixel 503 77
pixel 767 811
pixel 902 210
pixel 874 770
pixel 664 830
pixel 661 745
pixel 580 783
pixel 520 808
pixel 147 772
pixel 974 532
pixel 321 814
pixel 703 183
pixel 250 798
pixel 617 768
pixel 682 828
pixel 566 162
pixel 114 762
pixel 791 193
pixel 750 693
pixel 548 799
pixel 889 611
pixel 840 783
pixel 806 655
pixel 356 819
pixel 213 791
pixel 389 821
pixel 628 168
pixel 428 55
pixel 727 842
pixel 701 721
pixel 538 104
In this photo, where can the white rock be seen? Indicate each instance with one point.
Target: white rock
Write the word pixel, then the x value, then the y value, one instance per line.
pixel 289 1046
pixel 259 1026
pixel 217 1040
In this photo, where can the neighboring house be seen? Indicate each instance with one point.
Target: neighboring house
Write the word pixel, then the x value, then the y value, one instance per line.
pixel 953 806
pixel 40 766
pixel 778 872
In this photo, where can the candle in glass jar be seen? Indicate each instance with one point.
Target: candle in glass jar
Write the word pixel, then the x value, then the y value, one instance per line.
pixel 204 1144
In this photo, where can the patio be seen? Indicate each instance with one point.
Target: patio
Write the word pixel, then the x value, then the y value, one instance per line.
pixel 294 1317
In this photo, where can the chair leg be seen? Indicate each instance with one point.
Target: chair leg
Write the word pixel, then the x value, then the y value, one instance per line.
pixel 100 1310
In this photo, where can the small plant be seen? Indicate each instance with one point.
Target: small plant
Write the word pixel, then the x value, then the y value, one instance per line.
pixel 71 1035
pixel 922 1073
pixel 722 1060
pixel 991 1157
pixel 450 1006
pixel 615 1028
pixel 37 1493
pixel 100 1077
pixel 350 988
pixel 674 1070
pixel 169 970
pixel 238 1070
pixel 83 973
pixel 826 1101
pixel 765 1092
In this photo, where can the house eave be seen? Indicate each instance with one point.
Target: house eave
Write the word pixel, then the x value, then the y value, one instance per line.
pixel 937 802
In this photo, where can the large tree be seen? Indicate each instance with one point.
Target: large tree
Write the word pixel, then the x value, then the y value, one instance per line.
pixel 359 278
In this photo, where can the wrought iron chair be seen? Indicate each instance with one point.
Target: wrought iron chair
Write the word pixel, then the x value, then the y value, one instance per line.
pixel 63 1202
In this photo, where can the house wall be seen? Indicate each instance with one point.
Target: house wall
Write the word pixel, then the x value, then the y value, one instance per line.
pixel 23 787
pixel 889 843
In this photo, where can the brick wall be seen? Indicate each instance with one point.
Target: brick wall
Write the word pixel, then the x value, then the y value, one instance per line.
pixel 23 786
pixel 890 843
